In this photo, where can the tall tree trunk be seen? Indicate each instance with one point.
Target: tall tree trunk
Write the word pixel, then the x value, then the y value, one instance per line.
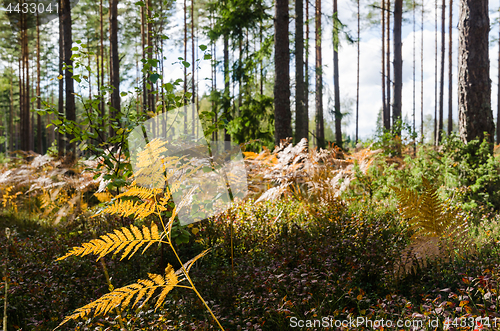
pixel 193 89
pixel 357 75
pixel 226 99
pixel 306 78
pixel 143 45
pixel 261 32
pixel 338 114
pixel 149 26
pixel 441 86
pixel 414 68
pixel 498 92
pixel 115 62
pixel 422 77
pixel 388 61
pixel 301 120
pixel 450 72
pixel 70 97
pixel 25 116
pixel 11 115
pixel 386 115
pixel 20 144
pixel 320 132
pixel 398 63
pixel 185 68
pixel 435 72
pixel 60 137
pixel 39 100
pixel 102 108
pixel 282 114
pixel 474 87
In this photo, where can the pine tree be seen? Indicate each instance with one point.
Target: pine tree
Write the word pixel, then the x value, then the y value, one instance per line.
pixel 474 87
pixel 320 131
pixel 282 114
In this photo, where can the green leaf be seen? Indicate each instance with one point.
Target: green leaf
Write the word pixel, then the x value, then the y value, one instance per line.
pixel 203 47
pixel 74 49
pixel 57 122
pixel 153 78
pixel 123 94
pixel 186 64
pixel 207 57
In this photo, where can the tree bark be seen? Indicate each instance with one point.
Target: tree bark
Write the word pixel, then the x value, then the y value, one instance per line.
pixel 388 62
pixel 67 44
pixel 185 69
pixel 282 114
pixel 226 100
pixel 115 62
pixel 435 71
pixel 386 115
pixel 450 71
pixel 143 45
pixel 474 87
pixel 193 64
pixel 306 78
pixel 398 63
pixel 422 77
pixel 414 69
pixel 301 118
pixel 11 115
pixel 102 108
pixel 320 131
pixel 498 92
pixel 338 114
pixel 441 86
pixel 357 73
pixel 25 134
pixel 60 106
pixel 38 101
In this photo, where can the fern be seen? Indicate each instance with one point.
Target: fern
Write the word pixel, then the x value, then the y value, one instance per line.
pixel 126 240
pixel 148 195
pixel 427 214
pixel 432 223
pixel 143 289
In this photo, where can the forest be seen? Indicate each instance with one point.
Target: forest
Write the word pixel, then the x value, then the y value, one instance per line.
pixel 249 165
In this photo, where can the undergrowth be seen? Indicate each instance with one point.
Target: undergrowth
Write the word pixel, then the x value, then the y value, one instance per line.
pixel 327 242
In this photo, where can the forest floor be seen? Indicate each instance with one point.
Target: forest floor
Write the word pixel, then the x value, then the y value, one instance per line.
pixel 323 245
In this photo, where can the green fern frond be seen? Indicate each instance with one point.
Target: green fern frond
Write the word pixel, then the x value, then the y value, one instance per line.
pixel 123 295
pixel 127 240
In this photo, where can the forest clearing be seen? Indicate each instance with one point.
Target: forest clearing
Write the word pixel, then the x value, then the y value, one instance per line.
pixel 185 165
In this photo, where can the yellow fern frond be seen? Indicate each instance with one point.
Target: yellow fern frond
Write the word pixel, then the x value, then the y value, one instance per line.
pixel 123 295
pixel 129 207
pixel 141 192
pixel 426 213
pixel 151 154
pixel 127 240
pixel 103 196
pixel 170 281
